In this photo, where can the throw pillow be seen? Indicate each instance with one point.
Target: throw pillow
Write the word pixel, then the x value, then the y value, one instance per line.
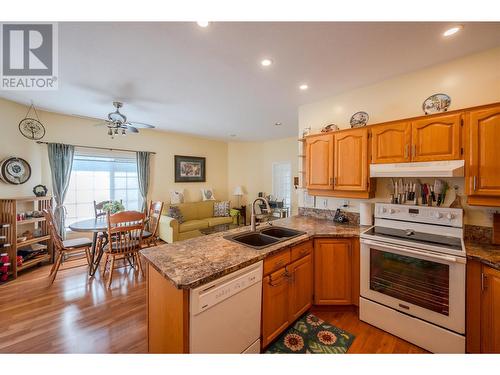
pixel 176 213
pixel 207 194
pixel 176 196
pixel 221 209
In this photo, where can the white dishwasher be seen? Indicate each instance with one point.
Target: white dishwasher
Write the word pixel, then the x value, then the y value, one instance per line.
pixel 225 314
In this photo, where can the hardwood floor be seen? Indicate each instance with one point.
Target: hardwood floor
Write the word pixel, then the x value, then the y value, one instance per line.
pixel 79 315
pixel 74 315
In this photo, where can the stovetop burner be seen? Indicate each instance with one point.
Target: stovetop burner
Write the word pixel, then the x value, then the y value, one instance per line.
pixel 410 235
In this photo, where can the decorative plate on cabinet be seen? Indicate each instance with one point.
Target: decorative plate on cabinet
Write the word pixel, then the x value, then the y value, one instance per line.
pixel 40 190
pixel 359 119
pixel 15 171
pixel 436 103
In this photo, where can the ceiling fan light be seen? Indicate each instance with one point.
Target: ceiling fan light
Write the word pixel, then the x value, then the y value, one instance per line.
pixel 110 132
pixel 124 132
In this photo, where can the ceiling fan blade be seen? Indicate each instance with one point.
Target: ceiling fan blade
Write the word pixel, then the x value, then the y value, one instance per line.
pixel 102 123
pixel 140 125
pixel 132 129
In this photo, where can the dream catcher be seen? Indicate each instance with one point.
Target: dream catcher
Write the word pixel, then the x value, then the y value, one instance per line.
pixel 31 127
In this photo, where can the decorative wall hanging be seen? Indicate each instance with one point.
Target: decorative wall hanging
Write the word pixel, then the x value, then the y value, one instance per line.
pixel 189 169
pixel 40 190
pixel 436 103
pixel 329 128
pixel 15 171
pixel 30 127
pixel 359 119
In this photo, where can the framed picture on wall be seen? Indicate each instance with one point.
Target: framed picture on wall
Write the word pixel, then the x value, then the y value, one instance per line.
pixel 189 169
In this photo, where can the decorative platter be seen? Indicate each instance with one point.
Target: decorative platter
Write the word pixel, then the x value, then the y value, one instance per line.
pixel 359 119
pixel 31 128
pixel 436 103
pixel 15 171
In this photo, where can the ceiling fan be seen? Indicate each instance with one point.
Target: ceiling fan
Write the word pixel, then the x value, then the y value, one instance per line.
pixel 117 122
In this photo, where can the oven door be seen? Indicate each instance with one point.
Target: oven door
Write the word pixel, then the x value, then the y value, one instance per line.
pixel 420 283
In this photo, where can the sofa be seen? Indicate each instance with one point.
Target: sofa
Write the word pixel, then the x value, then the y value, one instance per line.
pixel 197 215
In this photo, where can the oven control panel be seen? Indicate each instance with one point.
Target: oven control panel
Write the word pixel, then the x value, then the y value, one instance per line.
pixel 452 217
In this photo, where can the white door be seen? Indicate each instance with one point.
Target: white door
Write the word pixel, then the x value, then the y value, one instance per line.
pixel 282 183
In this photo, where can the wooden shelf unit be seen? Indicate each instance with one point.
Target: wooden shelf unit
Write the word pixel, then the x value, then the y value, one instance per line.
pixel 9 208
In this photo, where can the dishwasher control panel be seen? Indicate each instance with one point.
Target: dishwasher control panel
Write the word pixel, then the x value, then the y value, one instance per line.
pixel 208 295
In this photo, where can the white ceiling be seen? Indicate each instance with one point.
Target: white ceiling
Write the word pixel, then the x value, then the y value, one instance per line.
pixel 209 82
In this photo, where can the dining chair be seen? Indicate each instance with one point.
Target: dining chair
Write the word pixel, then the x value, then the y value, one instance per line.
pixel 124 240
pixel 64 247
pixel 99 208
pixel 150 234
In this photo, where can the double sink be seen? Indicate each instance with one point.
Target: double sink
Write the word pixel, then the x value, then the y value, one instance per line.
pixel 264 237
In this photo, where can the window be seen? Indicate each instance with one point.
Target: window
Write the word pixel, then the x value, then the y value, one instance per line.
pixel 100 178
pixel 282 182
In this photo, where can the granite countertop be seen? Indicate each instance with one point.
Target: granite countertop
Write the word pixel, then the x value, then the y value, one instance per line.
pixel 485 253
pixel 190 263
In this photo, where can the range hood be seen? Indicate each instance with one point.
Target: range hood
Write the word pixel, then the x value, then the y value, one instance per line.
pixel 447 168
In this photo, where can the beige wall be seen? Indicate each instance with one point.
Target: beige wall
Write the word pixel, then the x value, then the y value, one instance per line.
pixel 250 165
pixel 67 129
pixel 470 81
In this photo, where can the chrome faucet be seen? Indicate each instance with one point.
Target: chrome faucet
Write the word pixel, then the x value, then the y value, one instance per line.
pixel 252 218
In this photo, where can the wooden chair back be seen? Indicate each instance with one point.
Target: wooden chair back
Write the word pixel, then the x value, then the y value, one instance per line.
pixel 154 215
pixel 99 208
pixel 125 231
pixel 51 226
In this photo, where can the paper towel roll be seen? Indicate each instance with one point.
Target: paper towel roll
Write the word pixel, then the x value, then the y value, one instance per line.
pixel 366 213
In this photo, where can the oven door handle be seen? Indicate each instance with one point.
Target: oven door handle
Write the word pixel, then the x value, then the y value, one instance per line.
pixel 446 258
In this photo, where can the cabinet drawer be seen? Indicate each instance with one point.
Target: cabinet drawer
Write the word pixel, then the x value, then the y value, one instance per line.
pixel 301 250
pixel 276 261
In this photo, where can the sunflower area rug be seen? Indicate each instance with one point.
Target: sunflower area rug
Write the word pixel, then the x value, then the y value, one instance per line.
pixel 310 334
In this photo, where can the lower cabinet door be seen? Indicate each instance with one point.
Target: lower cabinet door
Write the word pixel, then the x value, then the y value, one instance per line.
pixel 275 302
pixel 332 272
pixel 301 286
pixel 490 311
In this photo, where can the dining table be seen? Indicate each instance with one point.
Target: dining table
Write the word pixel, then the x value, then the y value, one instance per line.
pixel 95 226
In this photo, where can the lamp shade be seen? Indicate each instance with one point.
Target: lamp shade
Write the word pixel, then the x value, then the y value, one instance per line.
pixel 238 190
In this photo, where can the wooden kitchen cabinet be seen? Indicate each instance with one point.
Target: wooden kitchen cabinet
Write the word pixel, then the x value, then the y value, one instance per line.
pixel 483 308
pixel 301 286
pixel 275 305
pixel 490 311
pixel 319 162
pixel 483 157
pixel 287 292
pixel 350 172
pixel 333 265
pixel 390 143
pixel 436 138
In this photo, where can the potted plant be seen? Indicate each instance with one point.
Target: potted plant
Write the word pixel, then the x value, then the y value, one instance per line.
pixel 113 207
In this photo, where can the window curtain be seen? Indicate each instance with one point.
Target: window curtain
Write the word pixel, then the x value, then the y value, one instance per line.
pixel 143 158
pixel 61 162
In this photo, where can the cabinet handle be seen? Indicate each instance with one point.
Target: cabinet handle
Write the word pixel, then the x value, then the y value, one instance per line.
pixel 474 183
pixel 484 282
pixel 284 278
pixel 414 150
pixel 407 146
pixel 279 263
pixel 335 181
pixel 303 252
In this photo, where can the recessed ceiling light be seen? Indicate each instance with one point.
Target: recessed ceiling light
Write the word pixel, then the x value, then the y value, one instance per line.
pixel 266 62
pixel 277 124
pixel 453 30
pixel 232 135
pixel 203 23
pixel 303 87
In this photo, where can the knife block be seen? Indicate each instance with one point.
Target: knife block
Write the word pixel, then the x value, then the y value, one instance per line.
pixel 496 229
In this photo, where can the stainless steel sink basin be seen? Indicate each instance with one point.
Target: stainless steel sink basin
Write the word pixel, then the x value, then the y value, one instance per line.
pixel 280 232
pixel 264 237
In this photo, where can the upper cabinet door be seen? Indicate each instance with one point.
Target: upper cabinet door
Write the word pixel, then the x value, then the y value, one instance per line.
pixel 351 160
pixel 436 138
pixel 319 165
pixel 391 143
pixel 484 152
